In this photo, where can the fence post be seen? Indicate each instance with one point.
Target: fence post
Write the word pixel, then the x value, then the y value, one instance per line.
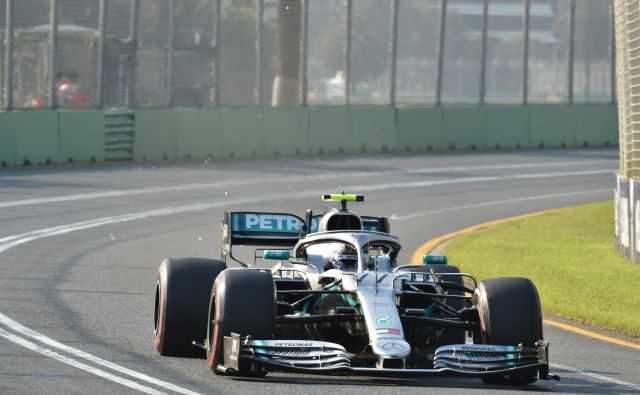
pixel 259 27
pixel 393 50
pixel 613 56
pixel 304 47
pixel 53 51
pixel 8 57
pixel 216 53
pixel 347 55
pixel 130 98
pixel 170 51
pixel 483 65
pixel 525 52
pixel 572 37
pixel 102 30
pixel 441 42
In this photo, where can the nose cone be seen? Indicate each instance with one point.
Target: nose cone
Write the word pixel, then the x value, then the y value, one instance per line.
pixel 392 348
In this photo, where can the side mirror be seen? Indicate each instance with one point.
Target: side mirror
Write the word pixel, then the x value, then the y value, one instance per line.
pixel 372 263
pixel 434 260
pixel 276 255
pixel 308 219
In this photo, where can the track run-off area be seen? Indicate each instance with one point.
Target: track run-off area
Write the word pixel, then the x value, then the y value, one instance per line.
pixel 79 249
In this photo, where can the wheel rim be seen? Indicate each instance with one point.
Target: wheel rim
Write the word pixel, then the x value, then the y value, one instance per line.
pixel 156 318
pixel 211 322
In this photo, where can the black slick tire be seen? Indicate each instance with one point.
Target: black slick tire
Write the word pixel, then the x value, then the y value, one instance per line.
pixel 183 287
pixel 510 315
pixel 243 301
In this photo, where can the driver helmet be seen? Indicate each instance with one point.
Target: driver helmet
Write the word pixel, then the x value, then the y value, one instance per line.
pixel 344 257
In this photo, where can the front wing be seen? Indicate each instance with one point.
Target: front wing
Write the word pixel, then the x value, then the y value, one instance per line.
pixel 316 357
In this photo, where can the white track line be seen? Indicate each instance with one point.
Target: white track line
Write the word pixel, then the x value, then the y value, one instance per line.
pixel 77 364
pixel 19 328
pixel 15 240
pixel 187 187
pixel 497 202
pixel 596 376
pixel 12 241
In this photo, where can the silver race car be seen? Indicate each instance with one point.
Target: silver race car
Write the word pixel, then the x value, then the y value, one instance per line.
pixel 336 301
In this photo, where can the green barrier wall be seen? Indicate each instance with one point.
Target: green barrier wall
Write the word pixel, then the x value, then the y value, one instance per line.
pixel 81 136
pixel 41 137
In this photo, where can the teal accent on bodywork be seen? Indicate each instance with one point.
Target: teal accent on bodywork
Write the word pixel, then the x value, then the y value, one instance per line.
pixel 434 260
pixel 511 356
pixel 259 343
pixel 348 299
pixel 428 312
pixel 278 255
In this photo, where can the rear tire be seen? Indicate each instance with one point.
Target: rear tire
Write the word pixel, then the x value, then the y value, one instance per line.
pixel 243 301
pixel 181 306
pixel 510 315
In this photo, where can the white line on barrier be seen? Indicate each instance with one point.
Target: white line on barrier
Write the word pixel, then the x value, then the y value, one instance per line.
pixel 230 183
pixel 77 364
pixel 15 240
pixel 497 202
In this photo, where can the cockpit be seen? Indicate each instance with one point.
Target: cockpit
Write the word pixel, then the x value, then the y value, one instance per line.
pixel 355 252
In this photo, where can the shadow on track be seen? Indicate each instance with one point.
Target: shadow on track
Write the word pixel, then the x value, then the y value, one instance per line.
pixel 570 383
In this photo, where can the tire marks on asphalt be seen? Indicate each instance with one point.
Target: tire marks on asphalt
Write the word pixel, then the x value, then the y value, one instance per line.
pixel 230 183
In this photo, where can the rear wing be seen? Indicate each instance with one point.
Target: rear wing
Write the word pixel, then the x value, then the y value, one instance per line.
pixel 261 229
pixel 266 229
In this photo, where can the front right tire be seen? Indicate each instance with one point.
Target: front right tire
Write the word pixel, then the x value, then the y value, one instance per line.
pixel 510 315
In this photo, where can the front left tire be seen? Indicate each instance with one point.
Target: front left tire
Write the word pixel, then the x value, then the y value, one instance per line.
pixel 183 287
pixel 243 301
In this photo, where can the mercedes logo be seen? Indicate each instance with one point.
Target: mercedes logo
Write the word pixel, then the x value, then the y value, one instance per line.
pixel 393 347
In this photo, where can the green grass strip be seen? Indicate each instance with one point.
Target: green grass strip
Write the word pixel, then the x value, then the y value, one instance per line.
pixel 571 256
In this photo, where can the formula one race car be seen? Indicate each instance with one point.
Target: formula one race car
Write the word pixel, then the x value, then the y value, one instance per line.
pixel 337 301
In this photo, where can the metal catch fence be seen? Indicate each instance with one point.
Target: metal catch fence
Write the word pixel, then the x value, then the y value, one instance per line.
pixel 227 53
pixel 627 25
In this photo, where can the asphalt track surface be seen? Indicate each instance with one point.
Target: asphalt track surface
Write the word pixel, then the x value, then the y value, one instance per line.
pixel 79 248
